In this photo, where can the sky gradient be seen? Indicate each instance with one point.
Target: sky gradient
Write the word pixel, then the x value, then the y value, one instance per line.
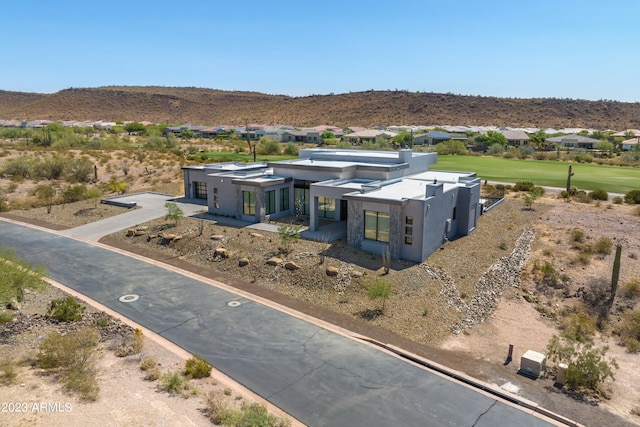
pixel 584 49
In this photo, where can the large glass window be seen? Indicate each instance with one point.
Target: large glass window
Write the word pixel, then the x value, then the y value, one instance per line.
pixel 248 203
pixel 376 226
pixel 200 190
pixel 270 202
pixel 301 196
pixel 284 199
pixel 326 207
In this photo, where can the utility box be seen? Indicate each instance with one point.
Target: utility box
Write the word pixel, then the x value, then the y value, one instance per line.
pixel 561 376
pixel 533 363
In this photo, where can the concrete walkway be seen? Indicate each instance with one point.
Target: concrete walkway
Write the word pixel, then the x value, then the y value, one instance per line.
pixel 150 206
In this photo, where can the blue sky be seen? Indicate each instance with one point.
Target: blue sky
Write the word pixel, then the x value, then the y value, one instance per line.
pixel 545 48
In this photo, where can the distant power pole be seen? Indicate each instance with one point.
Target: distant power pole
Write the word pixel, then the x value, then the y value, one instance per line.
pixel 246 130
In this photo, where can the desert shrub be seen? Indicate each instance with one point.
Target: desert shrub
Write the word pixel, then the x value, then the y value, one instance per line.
pixel 65 309
pixel 577 235
pixel 52 168
pixel 631 289
pixel 250 414
pixel 267 146
pixel 291 149
pixel 174 213
pixel 632 197
pixel 196 367
pixel 523 186
pixel 118 187
pixel 537 191
pixel 176 383
pixel 599 195
pixel 582 197
pixel 150 367
pixel 379 288
pixel 588 366
pixel 629 329
pixel 74 354
pixel 8 372
pixel 17 275
pixel 132 344
pixel 550 274
pixel 617 200
pixel 20 166
pixel 82 381
pixel 582 258
pixel 74 194
pixel 578 327
pixel 495 150
pixel 540 155
pixel 5 317
pixel 603 246
pixel 80 170
pixel 288 235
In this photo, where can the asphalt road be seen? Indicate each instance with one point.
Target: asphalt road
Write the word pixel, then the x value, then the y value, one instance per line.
pixel 318 376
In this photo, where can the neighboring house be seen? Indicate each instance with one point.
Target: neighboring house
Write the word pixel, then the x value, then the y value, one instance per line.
pixel 516 138
pixel 574 141
pixel 177 130
pixel 628 133
pixel 368 135
pixel 389 200
pixel 630 144
pixel 310 136
pixel 431 138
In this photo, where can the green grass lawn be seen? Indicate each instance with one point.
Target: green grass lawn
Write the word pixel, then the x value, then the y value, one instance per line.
pixel 612 179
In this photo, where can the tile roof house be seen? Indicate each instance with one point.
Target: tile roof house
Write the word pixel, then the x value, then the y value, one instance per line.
pixel 368 135
pixel 516 138
pixel 431 138
pixel 630 144
pixel 387 200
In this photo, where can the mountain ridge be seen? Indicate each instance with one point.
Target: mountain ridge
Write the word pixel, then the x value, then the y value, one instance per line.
pixel 202 106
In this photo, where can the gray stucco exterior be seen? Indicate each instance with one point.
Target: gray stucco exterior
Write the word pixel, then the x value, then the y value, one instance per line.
pixel 411 209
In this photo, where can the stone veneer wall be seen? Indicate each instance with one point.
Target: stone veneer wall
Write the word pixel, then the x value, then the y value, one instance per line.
pixel 355 223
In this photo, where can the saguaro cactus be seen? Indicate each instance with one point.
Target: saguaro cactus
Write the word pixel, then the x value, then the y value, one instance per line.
pixel 615 275
pixel 569 175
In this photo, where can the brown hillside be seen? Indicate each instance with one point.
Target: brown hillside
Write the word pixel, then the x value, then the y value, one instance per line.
pixel 214 107
pixel 16 100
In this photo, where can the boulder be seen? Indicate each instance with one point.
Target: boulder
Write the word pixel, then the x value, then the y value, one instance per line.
pixel 255 235
pixel 131 232
pixel 221 253
pixel 217 237
pixel 242 262
pixel 274 261
pixel 356 274
pixel 291 266
pixel 332 271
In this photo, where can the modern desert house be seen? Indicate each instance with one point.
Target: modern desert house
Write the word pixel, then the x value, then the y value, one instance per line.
pixel 389 200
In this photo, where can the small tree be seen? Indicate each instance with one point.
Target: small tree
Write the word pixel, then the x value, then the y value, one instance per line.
pixel 46 195
pixel 174 213
pixel 528 200
pixel 379 288
pixel 16 275
pixel 288 235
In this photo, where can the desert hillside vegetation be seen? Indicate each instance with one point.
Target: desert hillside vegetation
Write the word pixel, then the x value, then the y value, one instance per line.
pixel 370 108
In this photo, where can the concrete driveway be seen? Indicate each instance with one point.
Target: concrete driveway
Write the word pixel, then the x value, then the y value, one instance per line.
pixel 150 206
pixel 319 376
